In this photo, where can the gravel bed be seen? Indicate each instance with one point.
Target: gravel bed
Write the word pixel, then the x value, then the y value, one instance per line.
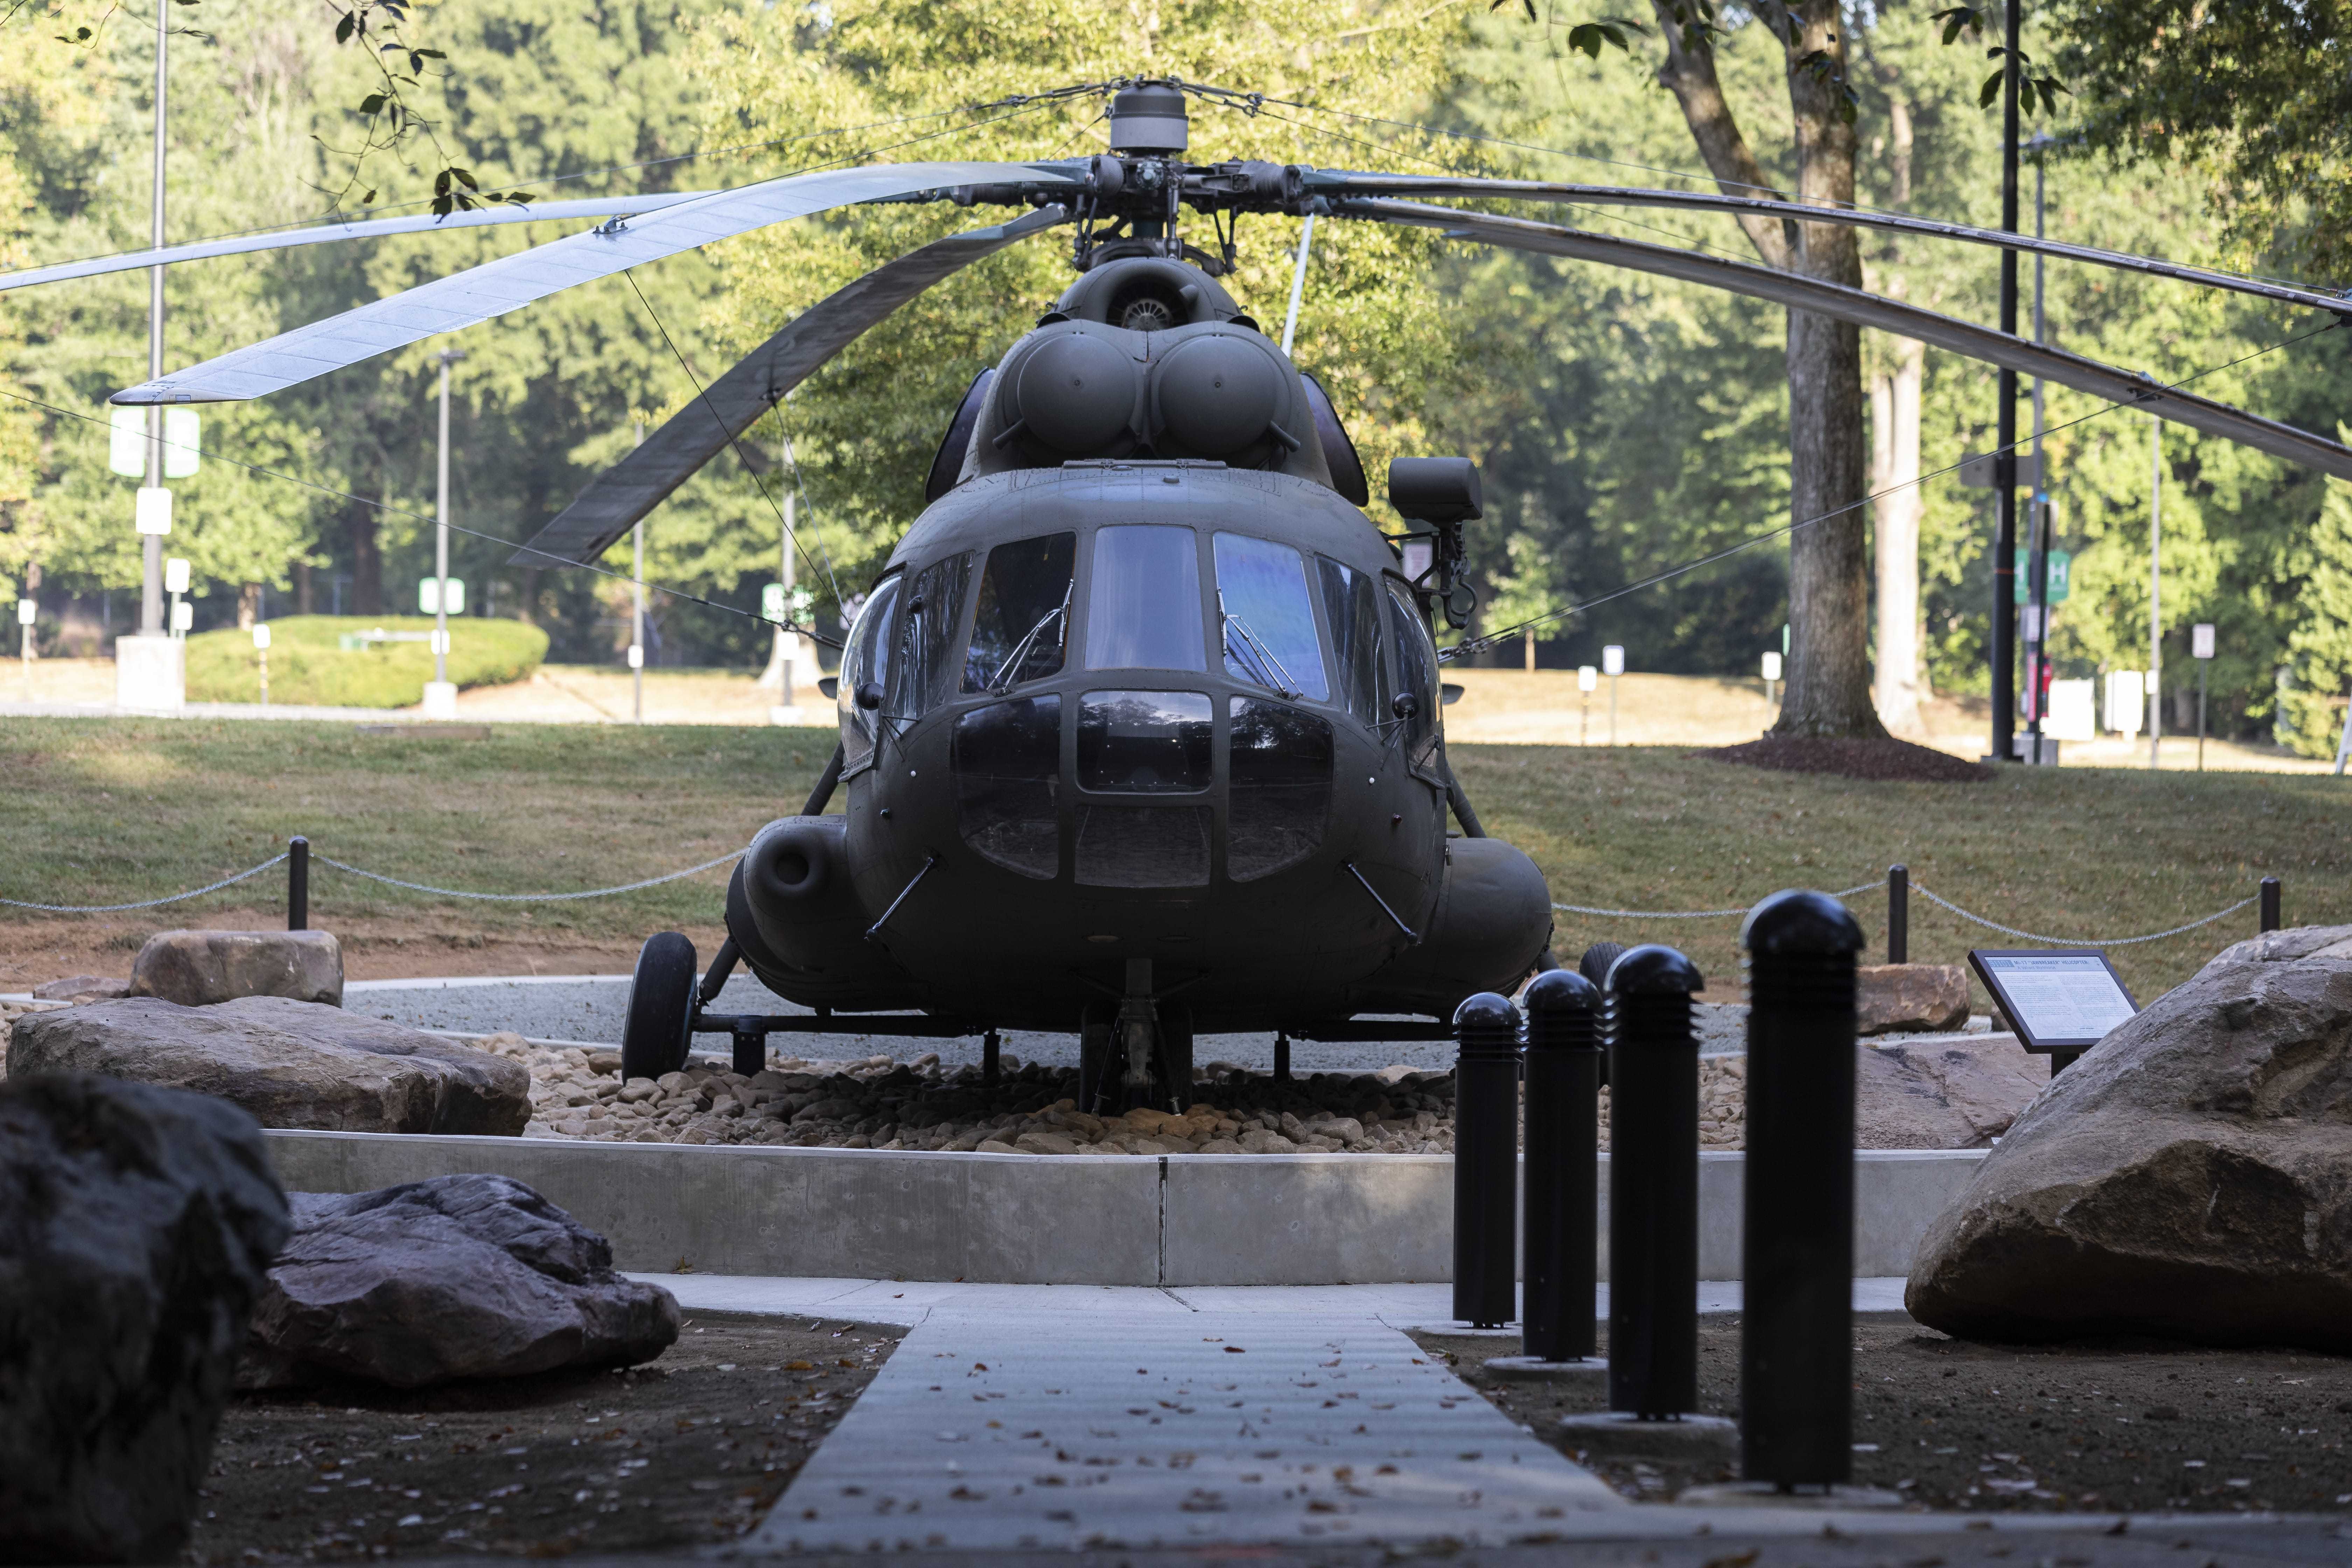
pixel 880 1103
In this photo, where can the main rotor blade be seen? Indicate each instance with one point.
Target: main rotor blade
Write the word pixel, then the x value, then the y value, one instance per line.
pixel 334 233
pixel 1341 181
pixel 1868 310
pixel 497 287
pixel 639 482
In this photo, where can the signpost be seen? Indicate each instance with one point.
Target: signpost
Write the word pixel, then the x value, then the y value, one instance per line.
pixel 2201 645
pixel 2060 1001
pixel 1613 664
pixel 261 652
pixel 1587 678
pixel 1772 679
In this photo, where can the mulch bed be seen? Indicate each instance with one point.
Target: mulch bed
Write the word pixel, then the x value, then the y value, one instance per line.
pixel 1883 760
pixel 687 1450
pixel 2144 1426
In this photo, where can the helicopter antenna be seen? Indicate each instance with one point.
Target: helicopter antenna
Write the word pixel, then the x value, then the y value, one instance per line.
pixel 1297 285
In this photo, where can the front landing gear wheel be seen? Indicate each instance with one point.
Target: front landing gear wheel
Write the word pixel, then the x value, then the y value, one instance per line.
pixel 661 1004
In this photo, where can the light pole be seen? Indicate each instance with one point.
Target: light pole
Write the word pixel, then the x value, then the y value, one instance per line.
pixel 2038 525
pixel 2154 583
pixel 2004 539
pixel 637 610
pixel 441 697
pixel 150 669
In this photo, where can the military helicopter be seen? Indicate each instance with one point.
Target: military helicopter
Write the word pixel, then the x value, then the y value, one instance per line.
pixel 1140 724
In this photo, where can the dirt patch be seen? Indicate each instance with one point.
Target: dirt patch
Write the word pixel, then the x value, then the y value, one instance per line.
pixel 375 947
pixel 686 1451
pixel 1883 760
pixel 1951 1424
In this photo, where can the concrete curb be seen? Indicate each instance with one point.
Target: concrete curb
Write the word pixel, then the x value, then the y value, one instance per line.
pixel 1177 1220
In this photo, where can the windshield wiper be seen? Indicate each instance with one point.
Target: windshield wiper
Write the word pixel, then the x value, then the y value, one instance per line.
pixel 1013 661
pixel 1268 669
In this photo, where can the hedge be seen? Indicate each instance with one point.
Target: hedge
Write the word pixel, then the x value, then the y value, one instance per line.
pixel 308 665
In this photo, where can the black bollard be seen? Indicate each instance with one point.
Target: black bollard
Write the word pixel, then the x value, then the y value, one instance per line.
pixel 298 883
pixel 2269 911
pixel 1485 1160
pixel 1796 1337
pixel 1652 1184
pixel 1563 1143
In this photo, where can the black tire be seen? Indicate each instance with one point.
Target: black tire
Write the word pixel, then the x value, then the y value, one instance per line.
pixel 661 1004
pixel 1594 965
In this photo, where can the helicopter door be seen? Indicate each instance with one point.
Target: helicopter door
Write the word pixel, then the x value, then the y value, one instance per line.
pixel 865 667
pixel 1413 675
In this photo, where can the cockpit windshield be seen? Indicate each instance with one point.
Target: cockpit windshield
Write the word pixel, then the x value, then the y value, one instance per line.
pixel 1143 605
pixel 1268 618
pixel 1021 623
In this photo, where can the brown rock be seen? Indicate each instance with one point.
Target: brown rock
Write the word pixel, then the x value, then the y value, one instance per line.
pixel 1960 1093
pixel 290 1064
pixel 2189 1177
pixel 1896 997
pixel 82 988
pixel 197 968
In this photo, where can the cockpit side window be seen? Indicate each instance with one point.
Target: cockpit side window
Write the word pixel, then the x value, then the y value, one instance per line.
pixel 866 660
pixel 1351 609
pixel 1414 675
pixel 1021 623
pixel 928 629
pixel 1143 599
pixel 1267 619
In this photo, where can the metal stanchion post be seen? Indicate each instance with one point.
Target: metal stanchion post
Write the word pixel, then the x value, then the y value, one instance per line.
pixel 1563 1146
pixel 298 883
pixel 1485 1160
pixel 1652 1184
pixel 1796 1341
pixel 1898 914
pixel 992 1060
pixel 2270 903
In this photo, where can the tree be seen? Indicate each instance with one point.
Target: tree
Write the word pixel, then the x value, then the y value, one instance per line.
pixel 2313 716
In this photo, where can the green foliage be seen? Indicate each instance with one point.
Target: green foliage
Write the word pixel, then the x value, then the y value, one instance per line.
pixel 2313 700
pixel 308 665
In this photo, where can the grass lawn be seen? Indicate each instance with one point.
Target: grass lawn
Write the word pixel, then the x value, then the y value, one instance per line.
pixel 106 811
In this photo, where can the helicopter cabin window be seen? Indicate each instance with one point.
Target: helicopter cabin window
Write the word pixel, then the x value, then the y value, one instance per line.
pixel 1351 609
pixel 1021 622
pixel 1008 773
pixel 1266 618
pixel 866 661
pixel 1144 743
pixel 927 633
pixel 1281 787
pixel 1143 599
pixel 1413 675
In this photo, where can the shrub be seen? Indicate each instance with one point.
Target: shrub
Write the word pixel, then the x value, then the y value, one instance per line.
pixel 308 664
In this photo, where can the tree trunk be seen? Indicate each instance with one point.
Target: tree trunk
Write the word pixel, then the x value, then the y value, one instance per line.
pixel 1900 508
pixel 367 561
pixel 1828 670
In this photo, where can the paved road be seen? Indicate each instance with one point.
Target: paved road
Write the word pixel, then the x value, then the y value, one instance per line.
pixel 592 1007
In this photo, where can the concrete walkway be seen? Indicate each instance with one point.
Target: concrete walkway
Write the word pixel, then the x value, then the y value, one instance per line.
pixel 1053 1418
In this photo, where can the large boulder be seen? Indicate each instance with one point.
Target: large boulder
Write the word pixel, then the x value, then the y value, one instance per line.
pixel 1891 998
pixel 291 1064
pixel 197 968
pixel 82 988
pixel 460 1276
pixel 2189 1177
pixel 1956 1091
pixel 135 1227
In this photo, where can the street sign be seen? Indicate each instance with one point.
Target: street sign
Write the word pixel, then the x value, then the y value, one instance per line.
pixel 428 596
pixel 1613 660
pixel 1978 471
pixel 2062 576
pixel 126 442
pixel 2126 701
pixel 1771 666
pixel 2201 639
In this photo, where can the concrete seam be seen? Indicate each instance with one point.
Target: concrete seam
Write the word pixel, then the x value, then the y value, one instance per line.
pixel 1162 1279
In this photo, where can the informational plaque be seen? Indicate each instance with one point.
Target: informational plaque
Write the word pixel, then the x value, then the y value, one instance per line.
pixel 2056 999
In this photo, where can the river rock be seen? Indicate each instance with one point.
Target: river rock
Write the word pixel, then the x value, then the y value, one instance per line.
pixel 291 1064
pixel 458 1277
pixel 197 968
pixel 2188 1176
pixel 135 1226
pixel 1891 998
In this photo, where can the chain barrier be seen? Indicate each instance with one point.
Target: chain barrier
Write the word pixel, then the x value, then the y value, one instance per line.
pixel 2085 942
pixel 149 903
pixel 1697 914
pixel 530 898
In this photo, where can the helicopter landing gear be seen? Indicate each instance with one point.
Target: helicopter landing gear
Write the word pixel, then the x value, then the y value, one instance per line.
pixel 661 1007
pixel 1140 1055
